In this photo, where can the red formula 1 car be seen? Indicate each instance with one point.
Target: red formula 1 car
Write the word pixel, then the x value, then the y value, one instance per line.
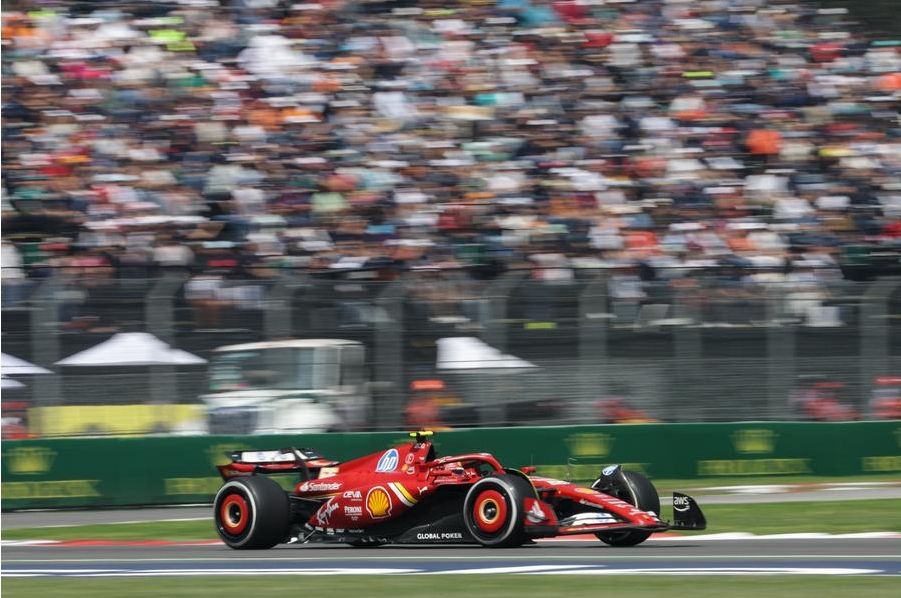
pixel 408 495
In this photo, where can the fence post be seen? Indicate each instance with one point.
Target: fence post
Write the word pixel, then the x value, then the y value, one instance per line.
pixel 159 308
pixel 688 361
pixel 594 319
pixel 874 335
pixel 389 390
pixel 498 294
pixel 45 342
pixel 278 318
pixel 780 356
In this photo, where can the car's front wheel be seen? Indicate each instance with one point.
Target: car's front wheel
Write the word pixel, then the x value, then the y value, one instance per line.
pixel 635 489
pixel 252 513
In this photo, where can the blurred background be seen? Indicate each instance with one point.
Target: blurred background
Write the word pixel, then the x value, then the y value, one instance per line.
pixel 254 216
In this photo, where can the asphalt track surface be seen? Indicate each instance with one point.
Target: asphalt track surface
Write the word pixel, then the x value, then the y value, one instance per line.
pixel 670 555
pixel 700 553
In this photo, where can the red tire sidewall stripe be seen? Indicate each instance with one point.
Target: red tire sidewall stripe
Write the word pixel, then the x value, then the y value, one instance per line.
pixel 498 522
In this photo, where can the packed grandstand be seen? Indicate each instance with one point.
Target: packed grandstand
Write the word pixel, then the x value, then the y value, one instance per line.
pixel 707 155
pixel 257 134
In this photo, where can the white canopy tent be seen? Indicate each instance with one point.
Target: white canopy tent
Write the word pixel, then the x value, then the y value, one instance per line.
pixel 470 353
pixel 10 383
pixel 491 379
pixel 13 366
pixel 131 349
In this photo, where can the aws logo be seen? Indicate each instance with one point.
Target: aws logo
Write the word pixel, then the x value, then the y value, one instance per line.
pixel 590 444
pixel 378 503
pixel 30 460
pixel 754 441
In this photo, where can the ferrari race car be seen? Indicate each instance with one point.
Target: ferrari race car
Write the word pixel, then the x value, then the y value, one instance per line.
pixel 409 495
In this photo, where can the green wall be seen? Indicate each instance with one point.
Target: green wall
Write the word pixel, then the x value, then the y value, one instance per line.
pixel 76 472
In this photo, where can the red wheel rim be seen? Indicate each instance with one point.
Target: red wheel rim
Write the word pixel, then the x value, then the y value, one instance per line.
pixel 490 511
pixel 233 514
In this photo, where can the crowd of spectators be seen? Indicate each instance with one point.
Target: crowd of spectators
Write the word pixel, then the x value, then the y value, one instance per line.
pixel 257 135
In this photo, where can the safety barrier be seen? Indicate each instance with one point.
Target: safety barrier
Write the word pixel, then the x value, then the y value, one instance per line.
pixel 120 471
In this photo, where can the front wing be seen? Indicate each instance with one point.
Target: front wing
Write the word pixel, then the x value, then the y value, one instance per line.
pixel 687 515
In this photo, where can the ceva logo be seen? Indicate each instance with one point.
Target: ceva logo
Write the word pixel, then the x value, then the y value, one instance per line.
pixel 590 444
pixel 30 460
pixel 754 441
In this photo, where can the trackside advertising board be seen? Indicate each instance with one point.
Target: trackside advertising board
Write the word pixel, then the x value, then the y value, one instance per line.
pixel 119 471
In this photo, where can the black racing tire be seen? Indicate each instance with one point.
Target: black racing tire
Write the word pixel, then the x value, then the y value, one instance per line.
pixel 493 510
pixel 252 513
pixel 640 492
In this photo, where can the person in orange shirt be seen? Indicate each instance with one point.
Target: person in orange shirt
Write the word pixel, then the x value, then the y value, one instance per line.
pixel 763 141
pixel 763 145
pixel 19 30
pixel 262 114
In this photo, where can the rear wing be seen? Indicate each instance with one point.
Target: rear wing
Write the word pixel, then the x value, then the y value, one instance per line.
pixel 304 461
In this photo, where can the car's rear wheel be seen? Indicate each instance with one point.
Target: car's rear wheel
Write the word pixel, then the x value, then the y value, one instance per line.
pixel 635 489
pixel 493 510
pixel 252 513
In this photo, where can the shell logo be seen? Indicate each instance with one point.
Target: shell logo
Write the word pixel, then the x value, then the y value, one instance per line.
pixel 378 503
